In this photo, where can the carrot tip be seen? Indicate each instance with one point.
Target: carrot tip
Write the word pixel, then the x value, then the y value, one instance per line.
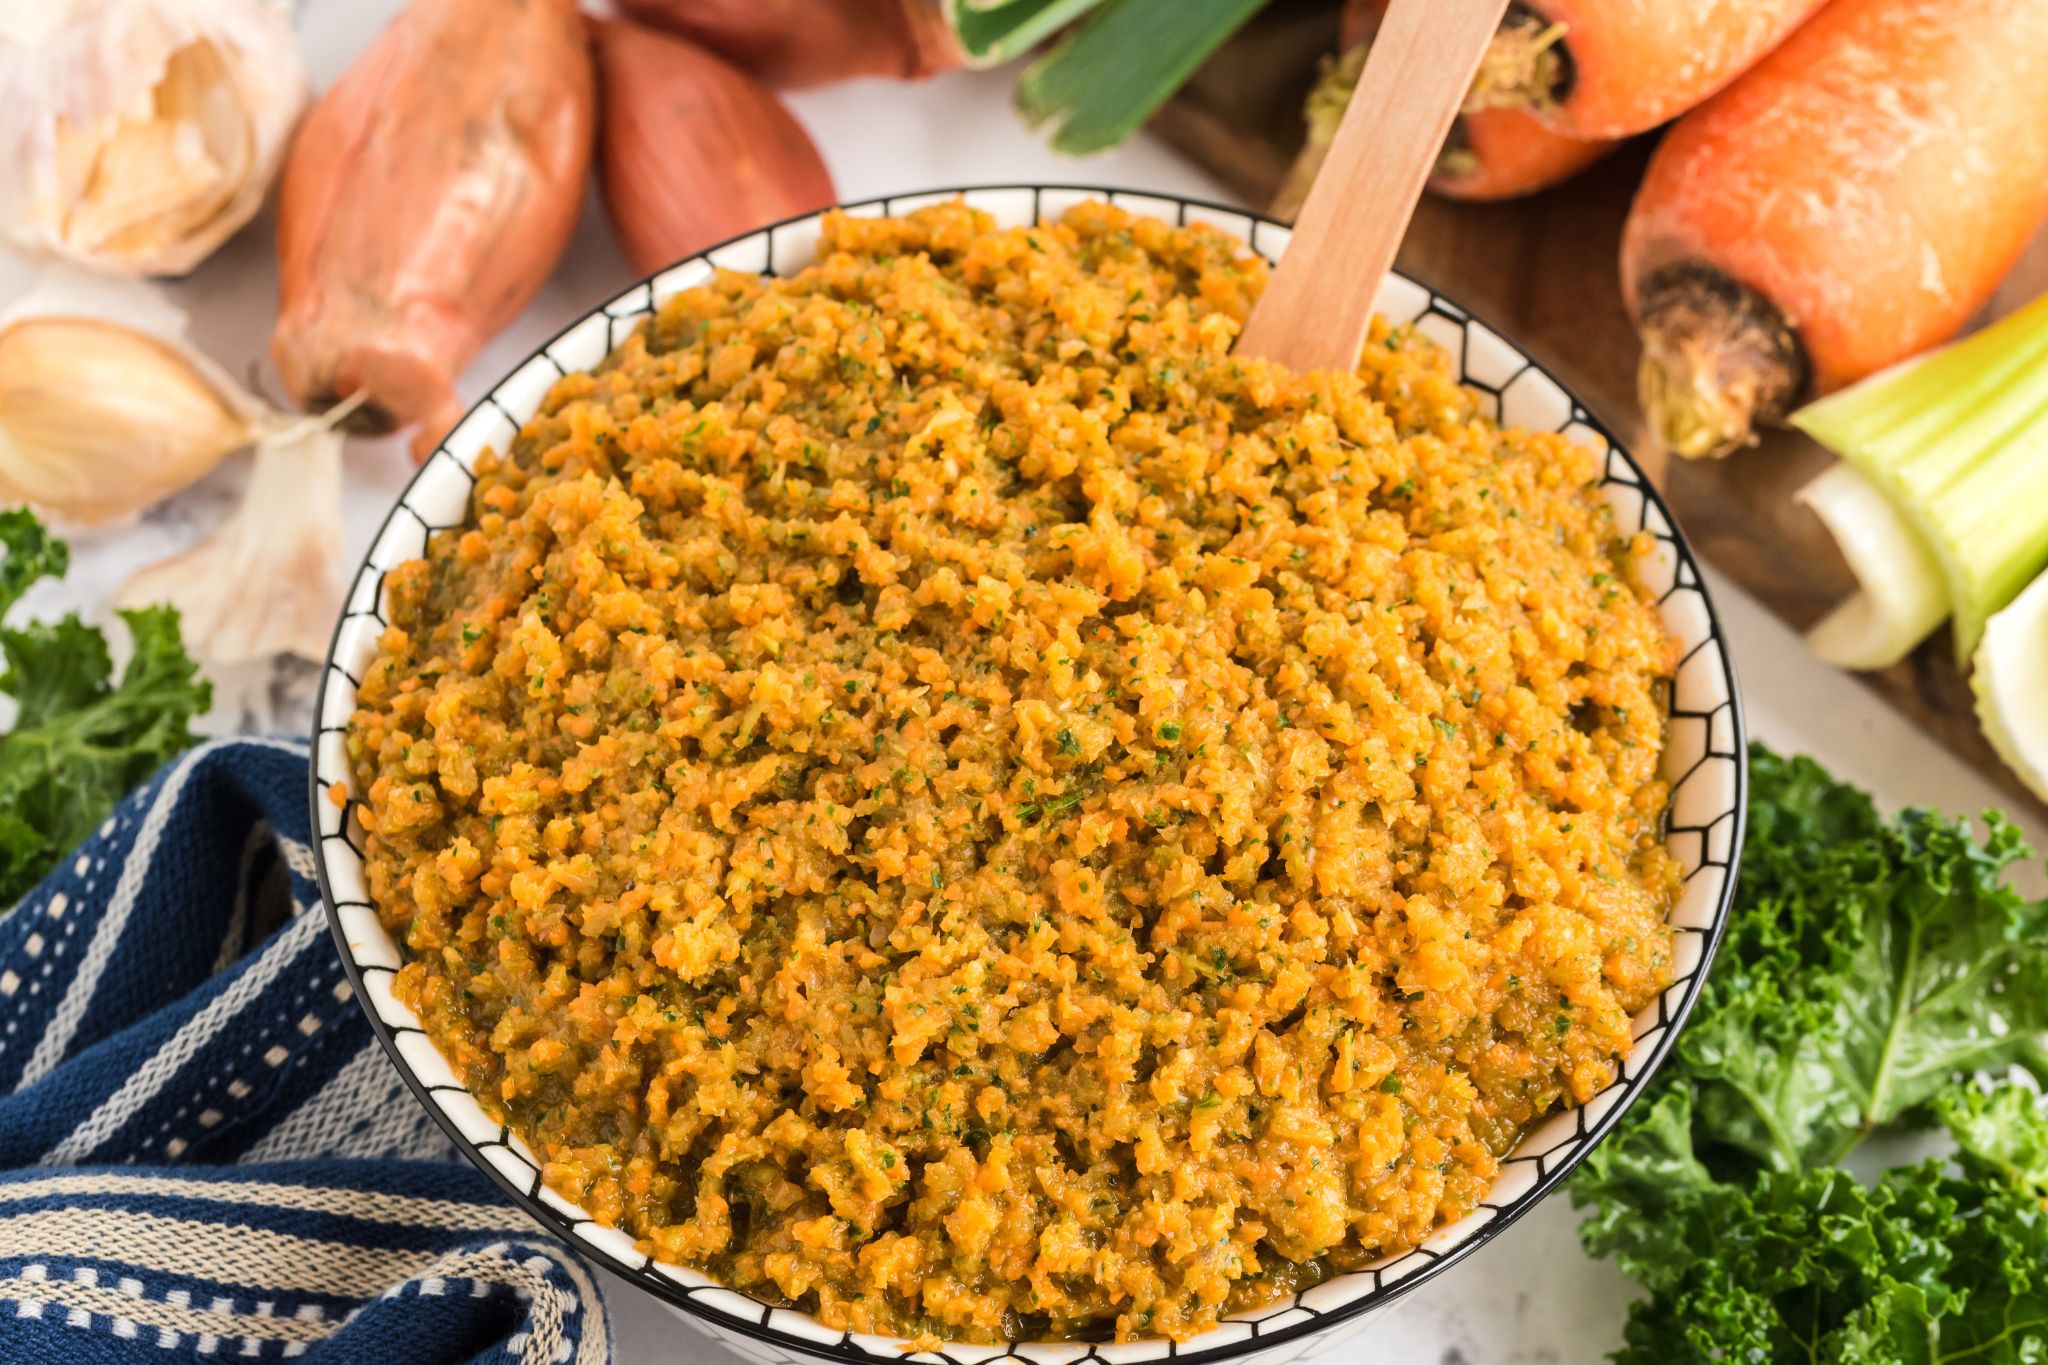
pixel 1459 158
pixel 1527 66
pixel 1718 360
pixel 1690 415
pixel 1321 112
pixel 1324 110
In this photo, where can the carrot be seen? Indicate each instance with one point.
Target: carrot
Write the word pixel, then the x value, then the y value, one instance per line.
pixel 796 43
pixel 1490 154
pixel 1611 68
pixel 1849 202
pixel 1505 153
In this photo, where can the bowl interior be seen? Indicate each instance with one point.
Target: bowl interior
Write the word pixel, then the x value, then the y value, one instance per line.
pixel 1704 761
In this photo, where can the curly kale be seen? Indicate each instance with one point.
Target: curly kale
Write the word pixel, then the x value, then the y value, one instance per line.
pixel 1877 975
pixel 80 739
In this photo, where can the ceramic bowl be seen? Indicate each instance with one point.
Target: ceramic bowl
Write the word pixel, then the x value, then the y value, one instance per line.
pixel 1705 762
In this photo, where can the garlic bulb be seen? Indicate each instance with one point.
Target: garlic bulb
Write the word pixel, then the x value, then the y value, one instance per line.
pixel 270 580
pixel 99 420
pixel 139 134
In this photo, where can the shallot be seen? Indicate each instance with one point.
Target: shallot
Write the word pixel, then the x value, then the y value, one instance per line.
pixel 426 199
pixel 694 150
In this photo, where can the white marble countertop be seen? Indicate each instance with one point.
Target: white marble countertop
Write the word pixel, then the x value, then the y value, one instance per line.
pixel 1531 1295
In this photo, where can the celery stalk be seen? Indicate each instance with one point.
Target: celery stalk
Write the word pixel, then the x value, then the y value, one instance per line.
pixel 1902 598
pixel 1958 441
pixel 2011 683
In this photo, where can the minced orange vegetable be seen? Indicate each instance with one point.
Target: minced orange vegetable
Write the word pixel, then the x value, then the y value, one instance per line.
pixel 933 792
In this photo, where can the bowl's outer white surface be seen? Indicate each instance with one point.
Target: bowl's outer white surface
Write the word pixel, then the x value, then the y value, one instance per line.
pixel 1704 760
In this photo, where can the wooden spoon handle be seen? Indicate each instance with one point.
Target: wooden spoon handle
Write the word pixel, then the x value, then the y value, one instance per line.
pixel 1315 311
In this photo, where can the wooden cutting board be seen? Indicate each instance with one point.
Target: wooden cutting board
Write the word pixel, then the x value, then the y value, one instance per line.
pixel 1543 270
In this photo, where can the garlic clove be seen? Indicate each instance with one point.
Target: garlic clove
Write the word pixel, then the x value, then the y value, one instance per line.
pixel 60 289
pixel 98 420
pixel 168 168
pixel 270 580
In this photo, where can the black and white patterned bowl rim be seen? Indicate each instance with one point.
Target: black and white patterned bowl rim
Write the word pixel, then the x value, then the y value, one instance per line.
pixel 1705 761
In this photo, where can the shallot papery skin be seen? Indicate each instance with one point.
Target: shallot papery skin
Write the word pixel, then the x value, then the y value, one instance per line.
pixel 694 150
pixel 426 199
pixel 798 43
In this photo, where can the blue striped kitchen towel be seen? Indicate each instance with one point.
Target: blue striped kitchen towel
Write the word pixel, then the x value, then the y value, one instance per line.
pixel 203 1151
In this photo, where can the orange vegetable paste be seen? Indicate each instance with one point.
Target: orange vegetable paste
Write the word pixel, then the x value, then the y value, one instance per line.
pixel 933 792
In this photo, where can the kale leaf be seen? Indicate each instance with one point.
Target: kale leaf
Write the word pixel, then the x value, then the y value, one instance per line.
pixel 2000 1135
pixel 1871 970
pixel 80 739
pixel 1867 963
pixel 32 554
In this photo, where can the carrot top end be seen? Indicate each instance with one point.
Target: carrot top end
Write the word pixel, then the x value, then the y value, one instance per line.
pixel 1321 112
pixel 1718 361
pixel 1527 66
